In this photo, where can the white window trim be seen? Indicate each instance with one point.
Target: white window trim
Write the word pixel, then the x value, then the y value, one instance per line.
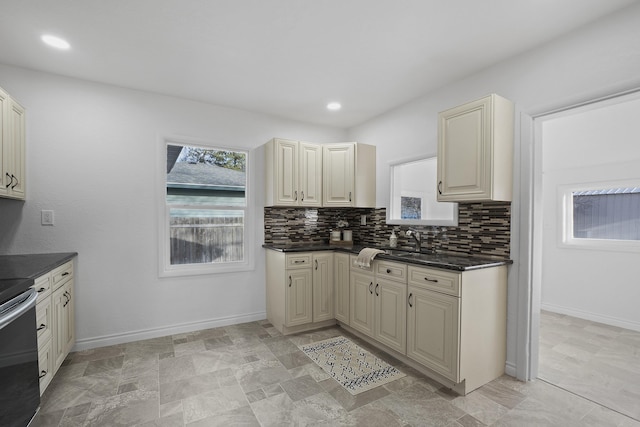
pixel 165 269
pixel 565 205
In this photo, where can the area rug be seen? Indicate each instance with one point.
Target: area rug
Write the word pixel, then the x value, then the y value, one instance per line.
pixel 354 368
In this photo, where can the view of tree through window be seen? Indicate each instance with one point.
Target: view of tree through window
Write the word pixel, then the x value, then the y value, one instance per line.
pixel 206 202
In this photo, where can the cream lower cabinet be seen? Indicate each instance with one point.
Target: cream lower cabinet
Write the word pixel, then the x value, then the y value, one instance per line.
pixel 433 329
pixel 341 287
pixel 390 314
pixel 378 303
pixel 55 320
pixel 361 302
pixel 456 324
pixel 299 290
pixel 322 283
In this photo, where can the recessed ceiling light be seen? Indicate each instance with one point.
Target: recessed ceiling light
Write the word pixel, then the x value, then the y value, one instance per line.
pixel 56 42
pixel 334 106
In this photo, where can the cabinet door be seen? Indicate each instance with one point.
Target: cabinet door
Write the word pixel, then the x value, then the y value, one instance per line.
pixel 341 287
pixel 63 331
pixel 322 286
pixel 464 151
pixel 390 314
pixel 286 172
pixel 310 174
pixel 17 143
pixel 298 307
pixel 338 175
pixel 433 333
pixel 361 302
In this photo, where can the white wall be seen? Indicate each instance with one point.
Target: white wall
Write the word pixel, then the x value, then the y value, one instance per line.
pixel 589 146
pixel 92 158
pixel 599 59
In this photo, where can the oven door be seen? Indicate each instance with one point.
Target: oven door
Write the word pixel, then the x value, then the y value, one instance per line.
pixel 19 383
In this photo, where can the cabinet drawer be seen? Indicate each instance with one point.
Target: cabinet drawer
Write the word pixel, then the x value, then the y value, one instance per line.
pixel 435 280
pixel 44 316
pixel 302 260
pixel 43 285
pixel 62 274
pixel 45 366
pixel 391 271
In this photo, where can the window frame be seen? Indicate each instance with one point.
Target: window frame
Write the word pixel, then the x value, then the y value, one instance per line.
pixel 565 204
pixel 165 268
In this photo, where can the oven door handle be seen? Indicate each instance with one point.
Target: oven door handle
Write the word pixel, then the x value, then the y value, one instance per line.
pixel 17 306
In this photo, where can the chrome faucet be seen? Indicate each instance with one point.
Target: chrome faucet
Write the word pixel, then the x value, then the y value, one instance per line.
pixel 417 237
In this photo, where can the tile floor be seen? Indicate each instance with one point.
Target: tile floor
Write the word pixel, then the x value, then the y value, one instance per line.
pixel 250 375
pixel 596 361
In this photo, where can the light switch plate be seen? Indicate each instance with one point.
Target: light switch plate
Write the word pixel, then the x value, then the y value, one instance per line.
pixel 47 217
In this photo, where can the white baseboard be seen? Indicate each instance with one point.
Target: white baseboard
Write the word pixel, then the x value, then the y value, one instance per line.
pixel 594 317
pixel 510 369
pixel 106 340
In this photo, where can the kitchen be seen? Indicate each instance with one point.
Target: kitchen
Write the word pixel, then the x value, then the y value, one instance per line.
pixel 93 156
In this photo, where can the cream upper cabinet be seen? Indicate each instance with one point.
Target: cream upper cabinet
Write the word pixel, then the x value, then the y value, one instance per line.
pixel 294 173
pixel 12 148
pixel 349 175
pixel 475 151
pixel 322 286
pixel 341 287
pixel 310 174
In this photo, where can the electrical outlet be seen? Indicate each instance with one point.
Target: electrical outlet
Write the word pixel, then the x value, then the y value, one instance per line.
pixel 47 217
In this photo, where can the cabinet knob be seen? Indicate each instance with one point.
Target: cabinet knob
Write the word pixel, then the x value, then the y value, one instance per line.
pixel 431 280
pixel 302 196
pixel 41 327
pixel 440 187
pixel 41 290
pixel 370 288
pixel 388 271
pixel 377 285
pixel 10 180
pixel 409 300
pixel 295 195
pixel 42 375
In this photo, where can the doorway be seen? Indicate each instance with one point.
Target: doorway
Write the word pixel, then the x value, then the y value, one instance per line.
pixel 586 286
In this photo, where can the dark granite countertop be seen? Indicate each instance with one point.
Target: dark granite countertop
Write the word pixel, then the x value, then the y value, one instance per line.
pixel 447 261
pixel 17 272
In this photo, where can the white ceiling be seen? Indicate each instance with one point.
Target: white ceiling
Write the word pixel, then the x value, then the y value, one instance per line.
pixel 287 58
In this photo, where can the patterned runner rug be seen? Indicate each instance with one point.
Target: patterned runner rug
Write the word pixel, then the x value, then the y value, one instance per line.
pixel 354 368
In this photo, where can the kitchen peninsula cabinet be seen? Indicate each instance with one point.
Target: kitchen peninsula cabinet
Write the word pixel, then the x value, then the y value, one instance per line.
pixel 299 296
pixel 12 148
pixel 294 173
pixel 456 324
pixel 55 322
pixel 349 175
pixel 475 151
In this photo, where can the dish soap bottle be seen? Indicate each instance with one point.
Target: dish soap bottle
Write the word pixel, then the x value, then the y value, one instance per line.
pixel 393 239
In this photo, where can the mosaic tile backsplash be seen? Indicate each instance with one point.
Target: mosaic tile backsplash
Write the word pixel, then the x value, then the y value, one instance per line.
pixel 484 229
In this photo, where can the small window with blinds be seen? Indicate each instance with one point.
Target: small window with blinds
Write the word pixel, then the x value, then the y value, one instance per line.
pixel 605 216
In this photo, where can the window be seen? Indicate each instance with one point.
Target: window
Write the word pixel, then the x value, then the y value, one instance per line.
pixel 603 216
pixel 206 218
